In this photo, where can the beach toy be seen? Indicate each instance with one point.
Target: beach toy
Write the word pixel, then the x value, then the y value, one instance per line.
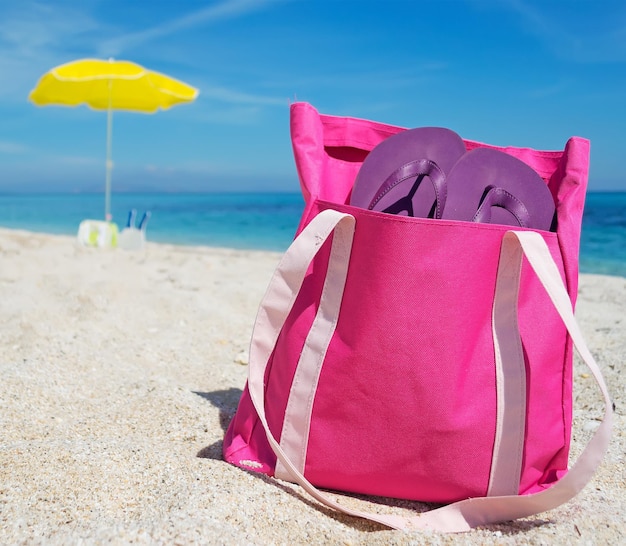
pixel 98 233
pixel 391 178
pixel 131 237
pixel 144 221
pixel 132 214
pixel 493 187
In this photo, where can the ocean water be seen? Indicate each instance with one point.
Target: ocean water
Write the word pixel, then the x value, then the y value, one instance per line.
pixel 603 237
pixel 266 221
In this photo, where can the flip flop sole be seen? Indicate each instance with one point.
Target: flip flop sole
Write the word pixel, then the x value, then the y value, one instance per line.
pixel 490 186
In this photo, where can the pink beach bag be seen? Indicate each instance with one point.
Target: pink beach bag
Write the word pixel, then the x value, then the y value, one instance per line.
pixel 417 358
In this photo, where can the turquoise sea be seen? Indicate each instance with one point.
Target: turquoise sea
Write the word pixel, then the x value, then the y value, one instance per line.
pixel 265 221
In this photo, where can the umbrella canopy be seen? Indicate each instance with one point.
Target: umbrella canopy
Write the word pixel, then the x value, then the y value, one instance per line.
pixel 110 85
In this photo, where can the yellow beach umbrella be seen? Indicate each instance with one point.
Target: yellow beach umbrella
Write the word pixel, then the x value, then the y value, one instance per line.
pixel 110 85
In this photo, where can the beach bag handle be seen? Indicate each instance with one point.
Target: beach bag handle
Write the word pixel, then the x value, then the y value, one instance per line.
pixel 280 297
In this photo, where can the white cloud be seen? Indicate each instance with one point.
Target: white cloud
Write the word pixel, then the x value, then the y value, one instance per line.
pixel 599 37
pixel 36 36
pixel 363 76
pixel 551 89
pixel 77 160
pixel 237 97
pixel 12 147
pixel 30 28
pixel 227 9
pixel 33 38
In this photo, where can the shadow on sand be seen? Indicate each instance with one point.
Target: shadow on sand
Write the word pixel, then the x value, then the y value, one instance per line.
pixel 227 401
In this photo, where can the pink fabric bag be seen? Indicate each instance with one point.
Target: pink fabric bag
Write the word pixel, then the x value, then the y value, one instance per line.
pixel 417 358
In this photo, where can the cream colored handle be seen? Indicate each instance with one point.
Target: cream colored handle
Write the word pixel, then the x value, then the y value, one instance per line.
pixel 463 515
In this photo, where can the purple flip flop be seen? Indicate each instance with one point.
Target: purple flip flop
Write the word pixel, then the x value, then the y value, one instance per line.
pixel 391 178
pixel 492 187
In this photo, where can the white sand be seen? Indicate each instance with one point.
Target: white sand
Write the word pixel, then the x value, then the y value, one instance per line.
pixel 120 370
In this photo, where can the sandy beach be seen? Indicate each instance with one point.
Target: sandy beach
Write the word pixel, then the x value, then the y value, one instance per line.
pixel 120 371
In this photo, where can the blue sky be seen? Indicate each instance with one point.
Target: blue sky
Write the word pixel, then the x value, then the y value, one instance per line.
pixel 510 72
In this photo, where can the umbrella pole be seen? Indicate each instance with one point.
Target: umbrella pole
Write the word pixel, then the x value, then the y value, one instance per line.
pixel 109 166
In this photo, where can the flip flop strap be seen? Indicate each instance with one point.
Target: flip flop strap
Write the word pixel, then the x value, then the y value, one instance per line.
pixel 499 197
pixel 413 169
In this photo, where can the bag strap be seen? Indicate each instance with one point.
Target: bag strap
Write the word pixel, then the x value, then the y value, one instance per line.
pixel 463 515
